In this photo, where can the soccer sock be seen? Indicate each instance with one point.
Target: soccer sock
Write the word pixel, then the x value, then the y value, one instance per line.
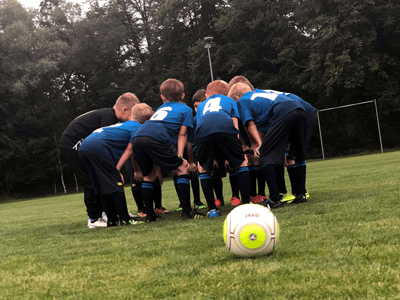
pixel 120 205
pixel 293 179
pixel 194 180
pixel 301 177
pixel 218 188
pixel 147 194
pixel 137 195
pixel 270 176
pixel 243 179
pixel 253 181
pixel 260 181
pixel 182 185
pixel 157 194
pixel 234 184
pixel 207 185
pixel 280 179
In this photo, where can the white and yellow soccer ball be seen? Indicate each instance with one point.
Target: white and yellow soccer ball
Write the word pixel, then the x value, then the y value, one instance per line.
pixel 251 230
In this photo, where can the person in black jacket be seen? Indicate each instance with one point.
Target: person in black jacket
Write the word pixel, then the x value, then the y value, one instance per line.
pixel 76 132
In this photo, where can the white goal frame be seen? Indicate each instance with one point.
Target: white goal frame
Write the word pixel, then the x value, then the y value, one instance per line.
pixel 332 108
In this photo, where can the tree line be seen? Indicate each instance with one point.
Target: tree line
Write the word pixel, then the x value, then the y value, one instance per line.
pixel 58 61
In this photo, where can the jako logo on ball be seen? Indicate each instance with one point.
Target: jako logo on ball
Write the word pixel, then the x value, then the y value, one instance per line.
pixel 251 230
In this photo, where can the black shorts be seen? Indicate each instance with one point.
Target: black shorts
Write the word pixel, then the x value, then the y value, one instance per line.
pixel 219 145
pixel 103 173
pixel 291 130
pixel 150 152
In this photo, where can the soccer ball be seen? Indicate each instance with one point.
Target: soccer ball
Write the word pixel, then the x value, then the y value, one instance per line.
pixel 251 230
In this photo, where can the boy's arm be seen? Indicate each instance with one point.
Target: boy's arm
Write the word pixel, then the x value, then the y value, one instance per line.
pixel 255 139
pixel 124 158
pixel 192 165
pixel 182 139
pixel 138 175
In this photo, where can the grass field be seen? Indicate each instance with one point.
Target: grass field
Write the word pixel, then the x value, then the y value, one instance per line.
pixel 343 244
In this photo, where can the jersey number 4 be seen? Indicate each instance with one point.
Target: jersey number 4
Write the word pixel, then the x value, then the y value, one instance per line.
pixel 212 105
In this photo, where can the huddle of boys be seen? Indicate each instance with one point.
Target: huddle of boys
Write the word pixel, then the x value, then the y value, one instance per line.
pixel 233 121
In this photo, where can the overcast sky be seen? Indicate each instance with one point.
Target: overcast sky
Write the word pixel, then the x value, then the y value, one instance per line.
pixel 36 3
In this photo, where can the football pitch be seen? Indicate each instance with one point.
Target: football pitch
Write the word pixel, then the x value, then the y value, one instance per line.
pixel 343 244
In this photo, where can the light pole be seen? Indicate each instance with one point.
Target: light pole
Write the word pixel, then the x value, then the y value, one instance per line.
pixel 207 44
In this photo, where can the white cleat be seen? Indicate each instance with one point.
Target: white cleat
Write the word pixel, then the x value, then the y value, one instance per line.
pixel 98 223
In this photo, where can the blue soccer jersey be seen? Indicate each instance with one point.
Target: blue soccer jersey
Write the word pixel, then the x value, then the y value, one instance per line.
pixel 110 141
pixel 166 122
pixel 307 106
pixel 215 115
pixel 265 109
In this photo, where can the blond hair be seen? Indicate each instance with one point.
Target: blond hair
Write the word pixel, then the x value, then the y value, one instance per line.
pixel 217 87
pixel 240 79
pixel 238 90
pixel 141 113
pixel 128 100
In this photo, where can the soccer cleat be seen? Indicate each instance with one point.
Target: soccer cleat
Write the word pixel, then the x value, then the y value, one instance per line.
pixel 192 215
pixel 219 202
pixel 213 213
pixel 300 199
pixel 160 211
pixel 153 219
pixel 130 222
pixel 272 205
pixel 179 208
pixel 288 198
pixel 199 205
pixel 235 201
pixel 307 195
pixel 132 215
pixel 257 199
pixel 112 224
pixel 97 223
pixel 141 214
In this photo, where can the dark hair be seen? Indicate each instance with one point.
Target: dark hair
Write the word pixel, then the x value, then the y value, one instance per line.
pixel 199 96
pixel 172 89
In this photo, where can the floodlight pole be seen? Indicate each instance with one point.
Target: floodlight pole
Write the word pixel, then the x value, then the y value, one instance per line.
pixel 207 45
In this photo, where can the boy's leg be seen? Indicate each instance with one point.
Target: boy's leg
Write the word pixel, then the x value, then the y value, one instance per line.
pixel 147 194
pixel 207 185
pixel 253 181
pixel 182 185
pixel 243 178
pixel 218 189
pixel 157 195
pixel 260 181
pixel 280 178
pixel 270 176
pixel 120 206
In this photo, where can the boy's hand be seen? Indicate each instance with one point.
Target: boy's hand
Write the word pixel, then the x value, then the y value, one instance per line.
pixel 185 163
pixel 122 177
pixel 256 149
pixel 138 176
pixel 192 168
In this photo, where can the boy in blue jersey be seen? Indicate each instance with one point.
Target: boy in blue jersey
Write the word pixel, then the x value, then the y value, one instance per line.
pixel 101 152
pixel 72 138
pixel 155 144
pixel 273 121
pixel 296 170
pixel 217 134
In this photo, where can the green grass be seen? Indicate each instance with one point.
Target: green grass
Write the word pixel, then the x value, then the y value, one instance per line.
pixel 343 244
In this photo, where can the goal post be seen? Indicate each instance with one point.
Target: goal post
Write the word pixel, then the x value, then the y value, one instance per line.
pixel 344 106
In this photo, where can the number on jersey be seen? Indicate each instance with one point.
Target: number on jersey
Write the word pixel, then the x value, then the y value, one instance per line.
pixel 212 105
